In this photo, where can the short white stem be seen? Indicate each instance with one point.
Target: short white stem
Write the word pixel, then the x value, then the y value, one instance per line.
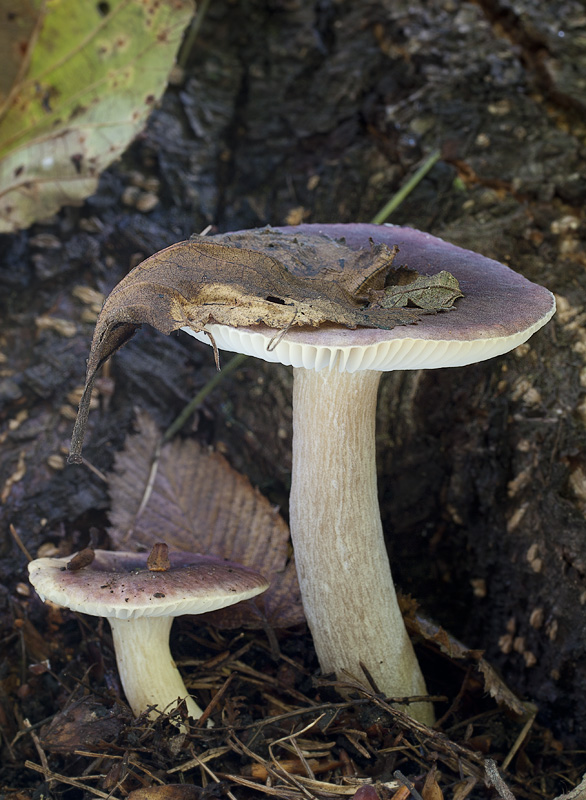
pixel 343 568
pixel 147 670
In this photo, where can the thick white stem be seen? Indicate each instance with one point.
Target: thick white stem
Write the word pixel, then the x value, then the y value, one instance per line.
pixel 147 670
pixel 344 573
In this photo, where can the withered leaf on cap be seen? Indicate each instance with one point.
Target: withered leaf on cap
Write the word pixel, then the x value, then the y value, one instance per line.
pixel 432 292
pixel 241 283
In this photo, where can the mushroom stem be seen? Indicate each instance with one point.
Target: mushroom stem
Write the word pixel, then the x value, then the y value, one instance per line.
pixel 343 568
pixel 147 670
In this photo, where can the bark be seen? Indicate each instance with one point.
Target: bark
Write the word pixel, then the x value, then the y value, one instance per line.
pixel 293 111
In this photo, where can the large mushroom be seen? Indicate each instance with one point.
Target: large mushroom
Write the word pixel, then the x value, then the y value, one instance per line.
pixel 140 594
pixel 342 563
pixel 344 574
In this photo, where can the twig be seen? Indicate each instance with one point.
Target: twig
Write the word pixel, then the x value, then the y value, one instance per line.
pixel 40 751
pixel 455 704
pixel 70 781
pixel 209 772
pixel 214 701
pixel 448 752
pixel 19 542
pixel 494 779
pixel 291 738
pixel 406 782
pixel 215 752
pixel 521 737
pixel 239 747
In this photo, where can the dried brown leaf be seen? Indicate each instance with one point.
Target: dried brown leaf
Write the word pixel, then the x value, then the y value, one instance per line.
pixel 240 282
pixel 197 502
pixel 436 292
pixel 83 724
pixel 431 789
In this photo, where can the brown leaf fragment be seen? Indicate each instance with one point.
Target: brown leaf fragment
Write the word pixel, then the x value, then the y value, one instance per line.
pixel 463 789
pixel 81 560
pixel 196 282
pixel 199 503
pixel 83 725
pixel 430 292
pixel 279 607
pixel 158 560
pixel 38 645
pixel 431 789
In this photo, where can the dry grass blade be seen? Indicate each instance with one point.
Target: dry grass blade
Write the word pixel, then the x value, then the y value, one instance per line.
pixel 207 755
pixel 452 754
pixel 49 776
pixel 532 711
pixel 311 788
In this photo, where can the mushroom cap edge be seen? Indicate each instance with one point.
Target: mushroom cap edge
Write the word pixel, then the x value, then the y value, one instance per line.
pixel 499 311
pixel 119 584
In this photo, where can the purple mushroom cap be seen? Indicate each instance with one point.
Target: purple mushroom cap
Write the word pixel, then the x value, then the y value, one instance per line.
pixel 119 584
pixel 500 310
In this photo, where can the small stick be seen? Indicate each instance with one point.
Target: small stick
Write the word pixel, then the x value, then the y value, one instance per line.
pixel 214 701
pixel 19 542
pixel 70 781
pixel 521 737
pixel 406 782
pixel 494 779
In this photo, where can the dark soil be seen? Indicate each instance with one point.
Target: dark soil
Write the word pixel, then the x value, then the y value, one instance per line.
pixel 291 111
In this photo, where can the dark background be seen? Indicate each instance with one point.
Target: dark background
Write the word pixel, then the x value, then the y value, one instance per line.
pixel 293 111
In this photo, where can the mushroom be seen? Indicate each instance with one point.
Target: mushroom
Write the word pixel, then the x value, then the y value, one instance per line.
pixel 344 574
pixel 140 594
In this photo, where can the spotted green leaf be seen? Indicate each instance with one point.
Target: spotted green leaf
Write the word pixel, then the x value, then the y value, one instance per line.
pixel 78 82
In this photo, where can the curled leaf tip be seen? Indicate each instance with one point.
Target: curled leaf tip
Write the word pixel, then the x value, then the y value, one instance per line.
pixel 83 411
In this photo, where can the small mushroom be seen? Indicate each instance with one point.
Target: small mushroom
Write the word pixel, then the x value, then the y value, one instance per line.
pixel 344 574
pixel 140 594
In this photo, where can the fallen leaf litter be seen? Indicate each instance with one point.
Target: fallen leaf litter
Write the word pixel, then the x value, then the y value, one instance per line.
pixel 269 278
